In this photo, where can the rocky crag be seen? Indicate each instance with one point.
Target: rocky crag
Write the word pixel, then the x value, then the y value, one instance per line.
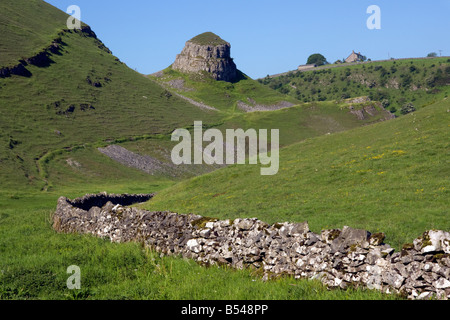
pixel 339 258
pixel 207 53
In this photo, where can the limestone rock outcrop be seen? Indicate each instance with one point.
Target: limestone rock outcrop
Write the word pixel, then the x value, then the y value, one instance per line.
pixel 208 53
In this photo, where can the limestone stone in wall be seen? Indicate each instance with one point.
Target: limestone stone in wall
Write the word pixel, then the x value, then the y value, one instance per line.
pixel 338 258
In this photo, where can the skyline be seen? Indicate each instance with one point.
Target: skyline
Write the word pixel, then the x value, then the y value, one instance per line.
pixel 266 38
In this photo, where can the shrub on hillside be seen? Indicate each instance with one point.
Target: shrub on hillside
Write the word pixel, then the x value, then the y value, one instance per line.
pixel 407 108
pixel 385 103
pixel 284 90
pixel 406 80
pixel 431 81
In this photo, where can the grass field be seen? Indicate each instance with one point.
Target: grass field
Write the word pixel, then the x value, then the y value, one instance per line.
pixel 34 260
pixel 305 120
pixel 391 177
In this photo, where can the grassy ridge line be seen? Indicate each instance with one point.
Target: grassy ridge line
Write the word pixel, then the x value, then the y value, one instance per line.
pixel 391 177
pixel 396 82
pixel 347 64
pixel 304 121
pixel 28 25
pixel 208 38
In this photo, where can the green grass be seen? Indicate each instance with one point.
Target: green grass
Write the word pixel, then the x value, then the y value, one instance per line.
pixel 27 29
pixel 35 259
pixel 417 81
pixel 303 121
pixel 390 177
pixel 224 95
pixel 75 167
pixel 208 38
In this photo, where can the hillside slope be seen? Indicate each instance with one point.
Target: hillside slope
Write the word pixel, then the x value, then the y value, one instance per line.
pixel 242 95
pixel 26 27
pixel 397 82
pixel 81 95
pixel 391 177
pixel 72 96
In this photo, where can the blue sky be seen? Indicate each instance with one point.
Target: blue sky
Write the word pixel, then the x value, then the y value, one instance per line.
pixel 266 37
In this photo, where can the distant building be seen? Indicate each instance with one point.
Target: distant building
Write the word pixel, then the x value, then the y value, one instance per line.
pixel 306 67
pixel 355 57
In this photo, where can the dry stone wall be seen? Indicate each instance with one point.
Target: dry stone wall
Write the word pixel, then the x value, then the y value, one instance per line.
pixel 338 257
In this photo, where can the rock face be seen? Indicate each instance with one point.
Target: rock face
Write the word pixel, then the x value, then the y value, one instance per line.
pixel 208 53
pixel 338 258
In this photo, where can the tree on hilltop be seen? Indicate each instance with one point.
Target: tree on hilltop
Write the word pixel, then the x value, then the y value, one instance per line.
pixel 317 59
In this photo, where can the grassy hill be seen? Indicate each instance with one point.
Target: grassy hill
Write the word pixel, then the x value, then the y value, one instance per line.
pixel 390 177
pixel 307 120
pixel 221 95
pixel 208 38
pixel 396 82
pixel 84 96
pixel 26 29
pixel 53 121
